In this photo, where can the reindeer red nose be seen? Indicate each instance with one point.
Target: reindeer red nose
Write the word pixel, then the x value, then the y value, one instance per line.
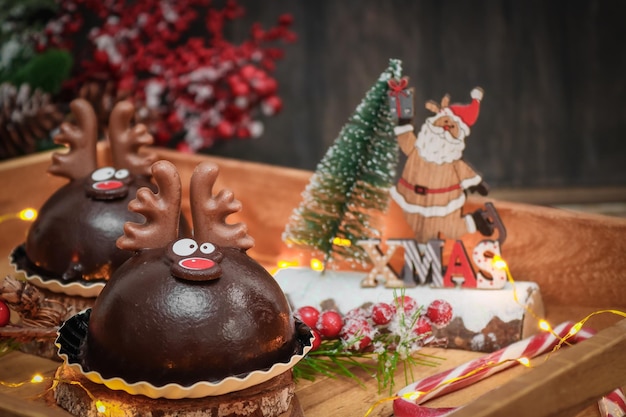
pixel 196 264
pixel 108 185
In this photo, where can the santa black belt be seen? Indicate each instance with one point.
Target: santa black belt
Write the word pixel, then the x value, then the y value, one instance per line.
pixel 420 189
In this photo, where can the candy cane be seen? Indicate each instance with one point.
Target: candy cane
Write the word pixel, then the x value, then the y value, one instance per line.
pixel 613 404
pixel 407 405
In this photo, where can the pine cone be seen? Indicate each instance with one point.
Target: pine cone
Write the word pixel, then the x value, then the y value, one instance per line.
pixel 31 304
pixel 25 117
pixel 21 296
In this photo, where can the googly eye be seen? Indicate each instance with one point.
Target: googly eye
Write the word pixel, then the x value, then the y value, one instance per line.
pixel 103 174
pixel 120 174
pixel 184 247
pixel 207 248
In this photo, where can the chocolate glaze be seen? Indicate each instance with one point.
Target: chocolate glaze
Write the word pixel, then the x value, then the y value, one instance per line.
pixel 73 237
pixel 149 326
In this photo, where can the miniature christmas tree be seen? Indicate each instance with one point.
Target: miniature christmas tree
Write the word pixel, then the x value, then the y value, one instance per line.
pixel 350 184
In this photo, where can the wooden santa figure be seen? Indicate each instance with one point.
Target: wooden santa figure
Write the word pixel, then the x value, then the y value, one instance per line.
pixel 435 180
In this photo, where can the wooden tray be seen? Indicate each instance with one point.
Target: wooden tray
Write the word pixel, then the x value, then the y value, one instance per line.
pixel 577 259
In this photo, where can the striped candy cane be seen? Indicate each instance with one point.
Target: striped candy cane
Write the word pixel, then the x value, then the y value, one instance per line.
pixel 407 405
pixel 613 405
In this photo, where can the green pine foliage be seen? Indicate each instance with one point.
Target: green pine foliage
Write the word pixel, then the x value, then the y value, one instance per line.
pixel 20 20
pixel 45 71
pixel 20 64
pixel 350 185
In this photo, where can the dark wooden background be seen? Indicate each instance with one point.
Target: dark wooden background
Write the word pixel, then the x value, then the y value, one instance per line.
pixel 554 75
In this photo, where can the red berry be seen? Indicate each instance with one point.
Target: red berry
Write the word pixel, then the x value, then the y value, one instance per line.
pixel 5 314
pixel 440 313
pixel 406 302
pixel 329 324
pixel 357 333
pixel 309 315
pixel 285 19
pixel 224 129
pixel 355 313
pixel 271 105
pixel 100 56
pixel 422 326
pixel 233 79
pixel 382 313
pixel 317 340
pixel 243 132
pixel 266 86
pixel 248 71
pixel 240 89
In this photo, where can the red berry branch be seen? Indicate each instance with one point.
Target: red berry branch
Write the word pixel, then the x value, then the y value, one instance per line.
pixel 172 58
pixel 389 333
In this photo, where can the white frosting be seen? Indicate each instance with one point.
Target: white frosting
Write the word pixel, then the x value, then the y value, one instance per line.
pixel 476 307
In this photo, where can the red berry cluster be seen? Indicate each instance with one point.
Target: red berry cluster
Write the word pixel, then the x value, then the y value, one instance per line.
pixel 196 84
pixel 358 327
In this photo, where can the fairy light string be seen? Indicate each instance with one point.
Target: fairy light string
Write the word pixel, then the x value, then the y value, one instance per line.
pixel 415 395
pixel 500 263
pixel 579 325
pixel 27 215
pixel 36 379
pixel 102 407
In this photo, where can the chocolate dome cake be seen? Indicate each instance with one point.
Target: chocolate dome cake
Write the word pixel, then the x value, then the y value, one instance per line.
pixel 73 238
pixel 148 325
pixel 188 310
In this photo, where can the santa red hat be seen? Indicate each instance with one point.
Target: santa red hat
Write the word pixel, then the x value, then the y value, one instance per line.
pixel 468 113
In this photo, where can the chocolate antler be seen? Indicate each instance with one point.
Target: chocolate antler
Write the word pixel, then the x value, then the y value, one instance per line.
pixel 80 161
pixel 161 210
pixel 126 140
pixel 209 212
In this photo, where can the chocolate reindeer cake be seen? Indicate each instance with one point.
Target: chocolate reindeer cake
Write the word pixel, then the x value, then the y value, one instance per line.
pixel 192 312
pixel 70 247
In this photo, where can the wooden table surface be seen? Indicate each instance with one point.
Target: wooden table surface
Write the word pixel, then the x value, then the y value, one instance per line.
pixel 321 398
pixel 22 187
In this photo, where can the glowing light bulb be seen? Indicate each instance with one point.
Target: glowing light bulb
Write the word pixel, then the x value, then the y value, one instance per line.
pixel 342 242
pixel 575 328
pixel 499 263
pixel 286 264
pixel 28 214
pixel 412 396
pixel 545 326
pixel 37 379
pixel 524 361
pixel 317 265
pixel 101 407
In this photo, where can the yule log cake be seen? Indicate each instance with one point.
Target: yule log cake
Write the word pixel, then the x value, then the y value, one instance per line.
pixel 483 320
